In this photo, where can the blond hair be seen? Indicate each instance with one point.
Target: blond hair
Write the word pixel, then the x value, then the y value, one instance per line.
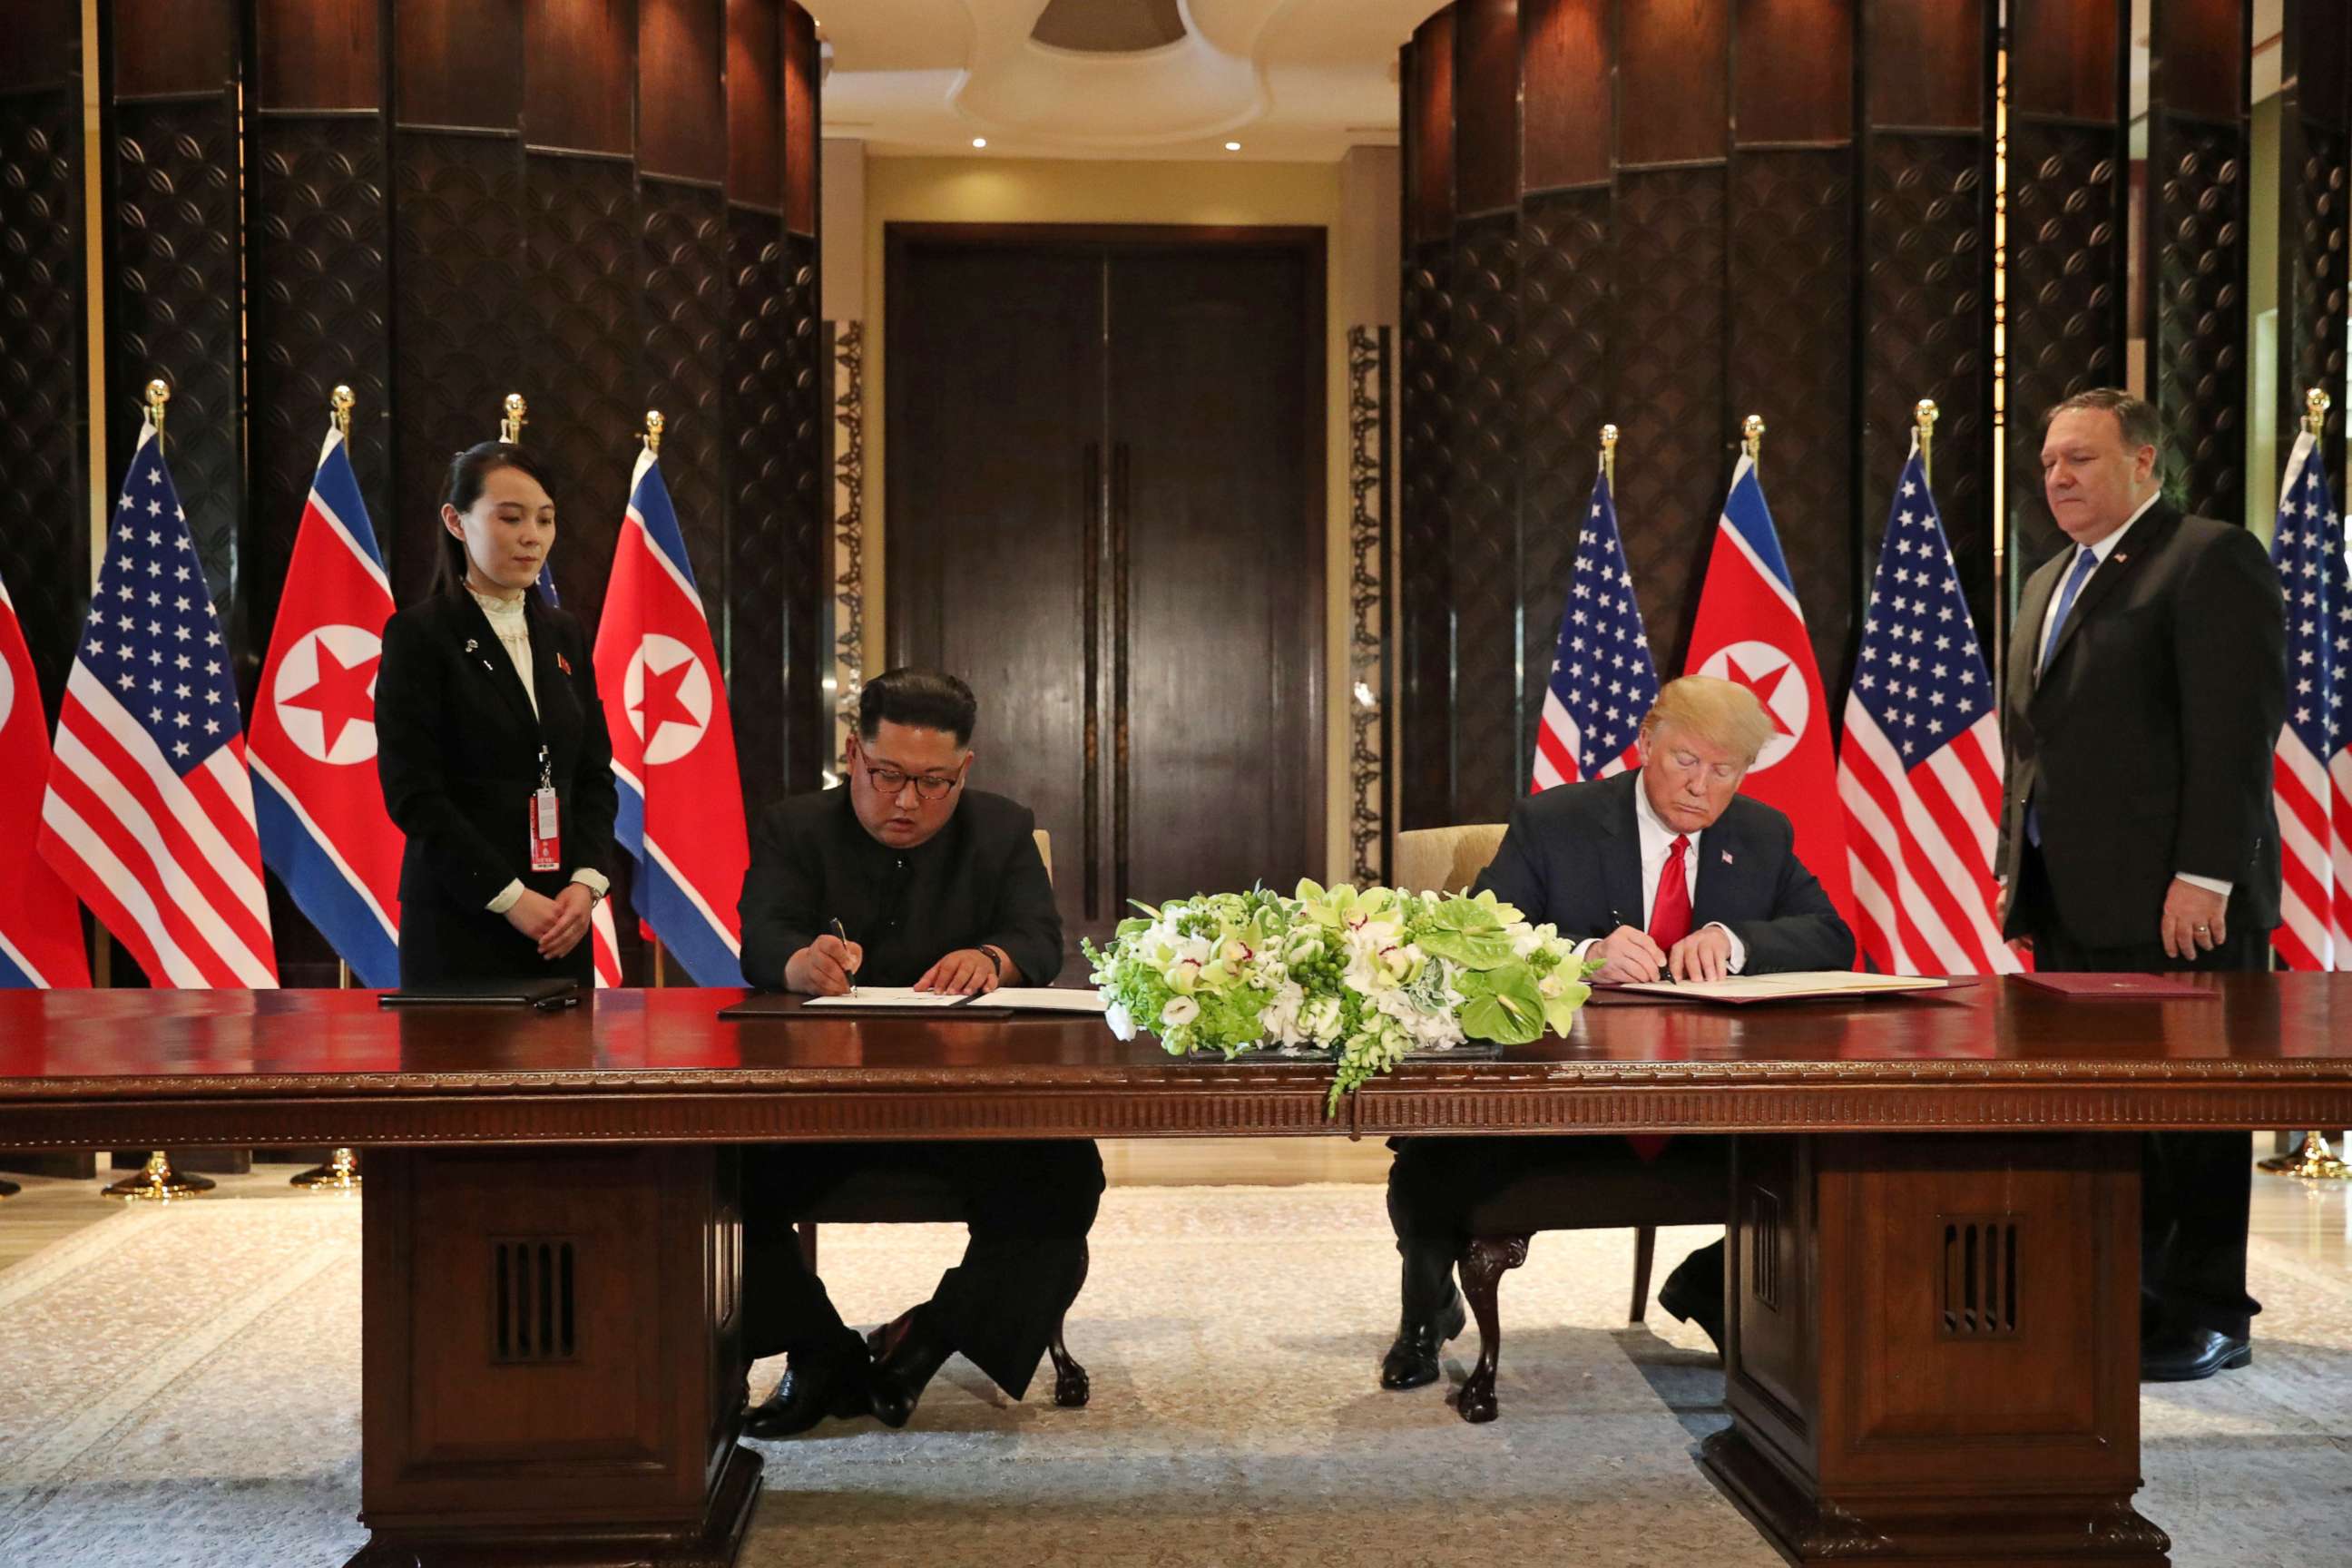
pixel 1722 713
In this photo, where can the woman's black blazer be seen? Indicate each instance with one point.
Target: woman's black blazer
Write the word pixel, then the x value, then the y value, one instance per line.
pixel 457 752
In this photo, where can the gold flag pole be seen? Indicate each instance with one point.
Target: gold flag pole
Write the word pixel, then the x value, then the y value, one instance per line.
pixel 1923 420
pixel 156 1182
pixel 1752 438
pixel 1609 456
pixel 2315 1161
pixel 341 1173
pixel 517 414
pixel 655 424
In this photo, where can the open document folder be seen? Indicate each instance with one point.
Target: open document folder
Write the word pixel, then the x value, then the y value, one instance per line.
pixel 1792 986
pixel 1022 998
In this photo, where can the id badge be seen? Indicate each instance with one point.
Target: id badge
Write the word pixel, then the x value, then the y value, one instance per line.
pixel 546 840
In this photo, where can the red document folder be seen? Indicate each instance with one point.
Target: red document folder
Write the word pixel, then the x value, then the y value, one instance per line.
pixel 2127 987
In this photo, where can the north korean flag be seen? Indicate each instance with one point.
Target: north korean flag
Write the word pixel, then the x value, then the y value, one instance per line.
pixel 673 743
pixel 323 825
pixel 1750 630
pixel 40 923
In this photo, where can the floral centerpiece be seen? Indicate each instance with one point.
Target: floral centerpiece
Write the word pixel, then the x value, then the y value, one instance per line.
pixel 1368 974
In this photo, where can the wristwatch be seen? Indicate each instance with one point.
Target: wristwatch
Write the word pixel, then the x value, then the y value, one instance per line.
pixel 995 960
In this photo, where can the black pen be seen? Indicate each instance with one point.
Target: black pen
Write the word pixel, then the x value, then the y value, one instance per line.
pixel 1616 919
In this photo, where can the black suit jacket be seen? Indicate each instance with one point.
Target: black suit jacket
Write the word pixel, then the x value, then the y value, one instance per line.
pixel 458 753
pixel 978 881
pixel 2145 742
pixel 1572 856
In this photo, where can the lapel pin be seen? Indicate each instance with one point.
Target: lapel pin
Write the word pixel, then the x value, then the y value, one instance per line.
pixel 562 664
pixel 471 645
pixel 1726 857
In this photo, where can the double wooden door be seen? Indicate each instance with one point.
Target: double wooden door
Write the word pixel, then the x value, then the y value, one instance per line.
pixel 1104 476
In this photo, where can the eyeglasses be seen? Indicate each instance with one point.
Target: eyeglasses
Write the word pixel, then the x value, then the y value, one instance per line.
pixel 892 783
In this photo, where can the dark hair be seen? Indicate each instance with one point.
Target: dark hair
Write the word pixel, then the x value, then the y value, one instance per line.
pixel 470 470
pixel 920 699
pixel 2136 416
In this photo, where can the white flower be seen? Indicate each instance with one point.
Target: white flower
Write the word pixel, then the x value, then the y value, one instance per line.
pixel 1182 976
pixel 1279 1018
pixel 1180 1011
pixel 1550 986
pixel 1121 1022
pixel 1321 1018
pixel 1525 940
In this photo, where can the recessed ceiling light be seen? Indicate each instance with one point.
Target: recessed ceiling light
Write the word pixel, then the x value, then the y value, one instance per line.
pixel 1232 146
pixel 980 141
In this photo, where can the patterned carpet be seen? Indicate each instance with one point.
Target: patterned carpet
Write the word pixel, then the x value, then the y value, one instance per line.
pixel 182 1388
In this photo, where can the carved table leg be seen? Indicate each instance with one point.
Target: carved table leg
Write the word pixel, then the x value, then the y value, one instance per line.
pixel 553 1358
pixel 1932 1350
pixel 1072 1388
pixel 1483 1264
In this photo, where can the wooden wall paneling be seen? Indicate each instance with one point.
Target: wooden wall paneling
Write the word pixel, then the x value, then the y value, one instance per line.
pixel 458 63
pixel 1484 500
pixel 681 107
pixel 2067 299
pixel 1424 682
pixel 808 537
pixel 1566 310
pixel 174 252
pixel 319 57
pixel 755 397
pixel 1673 259
pixel 319 288
pixel 1791 295
pixel 2315 121
pixel 45 484
pixel 2200 53
pixel 1927 272
pixel 579 74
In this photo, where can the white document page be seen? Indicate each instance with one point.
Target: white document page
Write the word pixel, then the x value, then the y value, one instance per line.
pixel 889 996
pixel 1780 987
pixel 1041 999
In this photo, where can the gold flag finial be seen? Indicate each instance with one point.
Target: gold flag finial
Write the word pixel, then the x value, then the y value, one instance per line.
pixel 654 423
pixel 1751 438
pixel 158 394
pixel 1609 454
pixel 511 427
pixel 2315 413
pixel 338 408
pixel 1923 420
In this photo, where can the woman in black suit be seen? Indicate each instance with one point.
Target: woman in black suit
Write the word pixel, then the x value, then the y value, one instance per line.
pixel 486 698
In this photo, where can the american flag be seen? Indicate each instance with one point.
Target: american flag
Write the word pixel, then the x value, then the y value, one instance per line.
pixel 1919 773
pixel 2315 811
pixel 148 813
pixel 1602 679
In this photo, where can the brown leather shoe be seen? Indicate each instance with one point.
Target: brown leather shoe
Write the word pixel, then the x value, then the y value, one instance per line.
pixel 1411 1360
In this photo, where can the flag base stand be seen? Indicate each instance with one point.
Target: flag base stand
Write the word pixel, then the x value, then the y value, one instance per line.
pixel 2315 1162
pixel 157 1182
pixel 340 1175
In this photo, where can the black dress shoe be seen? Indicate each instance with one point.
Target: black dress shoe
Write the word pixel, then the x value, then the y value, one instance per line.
pixel 1411 1360
pixel 813 1388
pixel 907 1353
pixel 1693 1304
pixel 2190 1355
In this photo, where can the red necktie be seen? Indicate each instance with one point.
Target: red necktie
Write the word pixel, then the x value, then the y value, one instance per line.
pixel 1670 921
pixel 1670 913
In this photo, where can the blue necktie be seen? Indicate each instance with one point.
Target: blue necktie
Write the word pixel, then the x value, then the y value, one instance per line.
pixel 2083 563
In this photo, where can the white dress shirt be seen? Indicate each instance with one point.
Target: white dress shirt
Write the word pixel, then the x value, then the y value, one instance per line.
pixel 1657 842
pixel 2099 553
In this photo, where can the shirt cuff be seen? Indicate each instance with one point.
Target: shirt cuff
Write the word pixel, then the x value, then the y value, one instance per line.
pixel 1738 959
pixel 509 896
pixel 2210 884
pixel 596 882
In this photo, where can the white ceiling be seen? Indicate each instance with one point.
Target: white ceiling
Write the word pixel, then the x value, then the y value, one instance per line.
pixel 1289 79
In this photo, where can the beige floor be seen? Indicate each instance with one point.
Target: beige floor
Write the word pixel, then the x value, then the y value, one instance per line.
pixel 2315 1218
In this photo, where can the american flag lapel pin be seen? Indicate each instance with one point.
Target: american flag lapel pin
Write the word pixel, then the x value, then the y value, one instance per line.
pixel 1726 857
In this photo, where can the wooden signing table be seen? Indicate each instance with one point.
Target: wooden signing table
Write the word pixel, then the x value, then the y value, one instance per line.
pixel 1932 1335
